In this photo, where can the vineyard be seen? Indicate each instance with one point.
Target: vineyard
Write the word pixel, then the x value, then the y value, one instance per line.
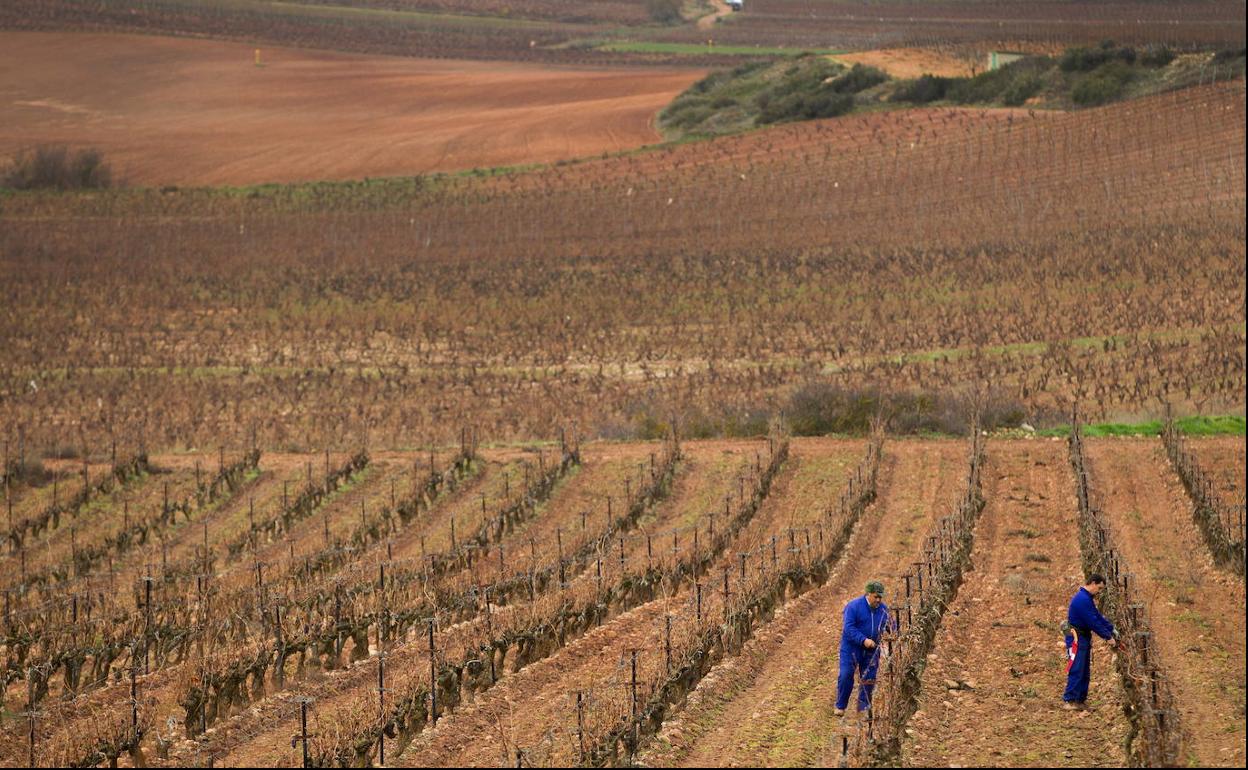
pixel 578 461
pixel 931 249
pixel 672 602
pixel 573 31
pixel 956 24
pixel 426 31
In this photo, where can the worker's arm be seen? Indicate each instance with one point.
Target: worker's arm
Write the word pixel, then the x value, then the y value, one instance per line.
pixel 1101 625
pixel 1088 616
pixel 852 632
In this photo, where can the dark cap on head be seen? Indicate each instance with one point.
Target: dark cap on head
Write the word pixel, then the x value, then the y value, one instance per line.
pixel 875 587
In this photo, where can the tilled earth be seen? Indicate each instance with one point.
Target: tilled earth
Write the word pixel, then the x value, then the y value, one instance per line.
pixel 1195 609
pixel 773 704
pixel 993 685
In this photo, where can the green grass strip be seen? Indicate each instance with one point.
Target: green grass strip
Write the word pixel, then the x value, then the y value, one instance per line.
pixel 1220 425
pixel 642 46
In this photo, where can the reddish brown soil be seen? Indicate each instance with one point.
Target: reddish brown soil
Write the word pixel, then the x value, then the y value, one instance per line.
pixel 772 705
pixel 180 111
pixel 1001 635
pixel 1196 610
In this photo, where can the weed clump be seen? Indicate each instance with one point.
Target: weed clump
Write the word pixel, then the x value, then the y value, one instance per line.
pixel 922 90
pixel 1104 84
pixel 817 92
pixel 56 167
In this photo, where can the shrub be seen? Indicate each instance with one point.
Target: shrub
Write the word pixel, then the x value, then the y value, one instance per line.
pixel 664 11
pixel 1228 54
pixel 1020 80
pixel 688 114
pixel 800 106
pixel 820 408
pixel 1087 59
pixel 810 76
pixel 1021 89
pixel 1157 56
pixel 927 88
pixel 859 78
pixel 31 472
pixel 56 167
pixel 1103 85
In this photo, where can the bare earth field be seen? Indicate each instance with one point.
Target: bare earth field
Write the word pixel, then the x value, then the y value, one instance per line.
pixel 909 62
pixel 199 112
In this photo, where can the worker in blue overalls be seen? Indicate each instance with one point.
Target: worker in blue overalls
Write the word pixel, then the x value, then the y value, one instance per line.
pixel 866 619
pixel 1082 620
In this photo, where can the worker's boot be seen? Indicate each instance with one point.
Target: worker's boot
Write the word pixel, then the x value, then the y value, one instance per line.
pixel 839 712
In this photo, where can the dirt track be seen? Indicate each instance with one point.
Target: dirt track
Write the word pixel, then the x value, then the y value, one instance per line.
pixel 1196 610
pixel 179 111
pixel 1001 635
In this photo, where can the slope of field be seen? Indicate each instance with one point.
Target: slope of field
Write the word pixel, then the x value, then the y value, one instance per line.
pixel 772 705
pixel 197 112
pixel 931 249
pixel 1000 643
pixel 1196 610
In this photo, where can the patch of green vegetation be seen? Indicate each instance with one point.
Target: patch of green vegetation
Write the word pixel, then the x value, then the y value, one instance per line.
pixel 810 86
pixel 1011 85
pixel 327 10
pixel 698 49
pixel 759 93
pixel 1194 618
pixel 1200 425
pixel 1080 77
pixel 1105 84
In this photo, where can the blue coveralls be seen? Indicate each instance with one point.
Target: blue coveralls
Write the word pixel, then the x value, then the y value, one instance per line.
pixel 860 623
pixel 1084 618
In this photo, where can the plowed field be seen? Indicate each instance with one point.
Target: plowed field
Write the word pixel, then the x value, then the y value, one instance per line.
pixel 1197 610
pixel 992 688
pixel 197 112
pixel 772 705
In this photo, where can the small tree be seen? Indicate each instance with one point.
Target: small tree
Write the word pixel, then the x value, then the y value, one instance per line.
pixel 54 166
pixel 664 11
